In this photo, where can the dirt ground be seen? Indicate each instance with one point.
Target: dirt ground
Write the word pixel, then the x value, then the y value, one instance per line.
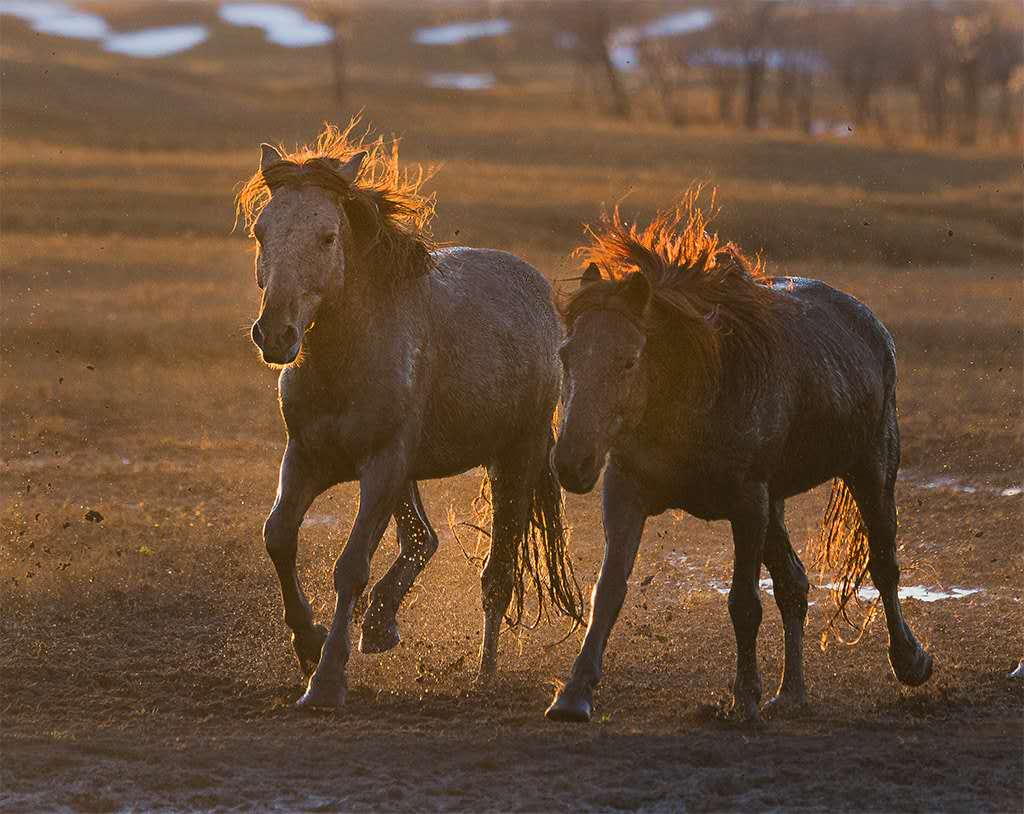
pixel 145 665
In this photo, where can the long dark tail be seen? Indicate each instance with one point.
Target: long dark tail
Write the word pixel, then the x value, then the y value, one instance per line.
pixel 841 556
pixel 543 560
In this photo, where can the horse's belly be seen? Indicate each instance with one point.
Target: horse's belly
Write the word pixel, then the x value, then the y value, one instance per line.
pixel 459 443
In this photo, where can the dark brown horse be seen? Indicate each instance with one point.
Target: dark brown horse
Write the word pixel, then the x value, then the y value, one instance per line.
pixel 400 362
pixel 709 387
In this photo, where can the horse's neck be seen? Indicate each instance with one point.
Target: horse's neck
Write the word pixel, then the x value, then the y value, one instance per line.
pixel 356 333
pixel 675 381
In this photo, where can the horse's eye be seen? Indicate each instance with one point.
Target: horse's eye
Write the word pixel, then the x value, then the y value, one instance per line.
pixel 631 363
pixel 328 239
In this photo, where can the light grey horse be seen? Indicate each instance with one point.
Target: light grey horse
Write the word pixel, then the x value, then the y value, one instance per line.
pixel 400 363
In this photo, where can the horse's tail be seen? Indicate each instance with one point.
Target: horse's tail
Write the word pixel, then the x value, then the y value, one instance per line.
pixel 841 556
pixel 543 558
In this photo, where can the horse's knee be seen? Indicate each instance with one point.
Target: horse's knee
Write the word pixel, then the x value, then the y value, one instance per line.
pixel 280 537
pixel 496 583
pixel 792 597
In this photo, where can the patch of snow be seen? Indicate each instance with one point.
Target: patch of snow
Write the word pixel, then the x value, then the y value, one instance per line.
pixel 281 24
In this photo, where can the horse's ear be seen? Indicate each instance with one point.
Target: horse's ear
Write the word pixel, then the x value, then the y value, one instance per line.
pixel 591 274
pixel 268 155
pixel 636 291
pixel 349 171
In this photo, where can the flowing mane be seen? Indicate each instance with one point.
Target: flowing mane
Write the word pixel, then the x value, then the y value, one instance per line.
pixel 717 299
pixel 389 215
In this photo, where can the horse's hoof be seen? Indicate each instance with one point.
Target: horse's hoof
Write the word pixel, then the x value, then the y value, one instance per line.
pixel 323 694
pixel 912 670
pixel 376 638
pixel 745 707
pixel 785 705
pixel 570 706
pixel 308 648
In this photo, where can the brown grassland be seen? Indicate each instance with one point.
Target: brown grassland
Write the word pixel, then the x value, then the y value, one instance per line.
pixel 144 661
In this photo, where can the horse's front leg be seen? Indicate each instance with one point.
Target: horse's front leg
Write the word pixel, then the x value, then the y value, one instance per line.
pixel 380 486
pixel 298 485
pixel 624 518
pixel 749 526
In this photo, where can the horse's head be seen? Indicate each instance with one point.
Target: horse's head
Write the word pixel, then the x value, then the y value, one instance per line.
pixel 302 234
pixel 604 390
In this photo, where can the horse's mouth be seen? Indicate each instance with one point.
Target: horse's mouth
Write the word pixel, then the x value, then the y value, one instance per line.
pixel 281 358
pixel 579 487
pixel 579 479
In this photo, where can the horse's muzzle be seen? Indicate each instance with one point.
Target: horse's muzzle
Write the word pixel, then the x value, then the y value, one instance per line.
pixel 576 473
pixel 280 347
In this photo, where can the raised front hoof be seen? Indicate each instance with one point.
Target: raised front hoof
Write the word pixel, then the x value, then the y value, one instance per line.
pixel 914 669
pixel 379 638
pixel 308 647
pixel 323 695
pixel 785 705
pixel 572 707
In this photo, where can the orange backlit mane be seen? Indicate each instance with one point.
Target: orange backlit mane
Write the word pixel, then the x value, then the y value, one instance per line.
pixel 385 205
pixel 719 300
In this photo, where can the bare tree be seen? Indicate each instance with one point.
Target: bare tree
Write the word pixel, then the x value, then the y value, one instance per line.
pixel 800 62
pixel 745 27
pixel 1003 66
pixel 860 44
pixel 969 34
pixel 589 24
pixel 336 15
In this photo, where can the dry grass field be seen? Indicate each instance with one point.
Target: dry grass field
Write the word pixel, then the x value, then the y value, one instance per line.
pixel 144 662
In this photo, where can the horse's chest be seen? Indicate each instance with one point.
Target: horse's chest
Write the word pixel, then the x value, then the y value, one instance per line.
pixel 699 484
pixel 342 434
pixel 328 439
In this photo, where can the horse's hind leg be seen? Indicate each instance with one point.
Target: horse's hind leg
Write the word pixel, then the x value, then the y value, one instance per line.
pixel 789 582
pixel 873 484
pixel 298 485
pixel 511 492
pixel 417 543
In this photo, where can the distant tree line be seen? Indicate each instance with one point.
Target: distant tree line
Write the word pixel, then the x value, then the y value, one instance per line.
pixel 960 64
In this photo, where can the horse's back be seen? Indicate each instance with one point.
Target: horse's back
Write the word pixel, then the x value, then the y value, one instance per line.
pixel 496 286
pixel 826 308
pixel 495 334
pixel 843 365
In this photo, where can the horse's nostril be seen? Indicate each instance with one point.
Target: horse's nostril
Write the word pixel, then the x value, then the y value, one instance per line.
pixel 289 336
pixel 257 333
